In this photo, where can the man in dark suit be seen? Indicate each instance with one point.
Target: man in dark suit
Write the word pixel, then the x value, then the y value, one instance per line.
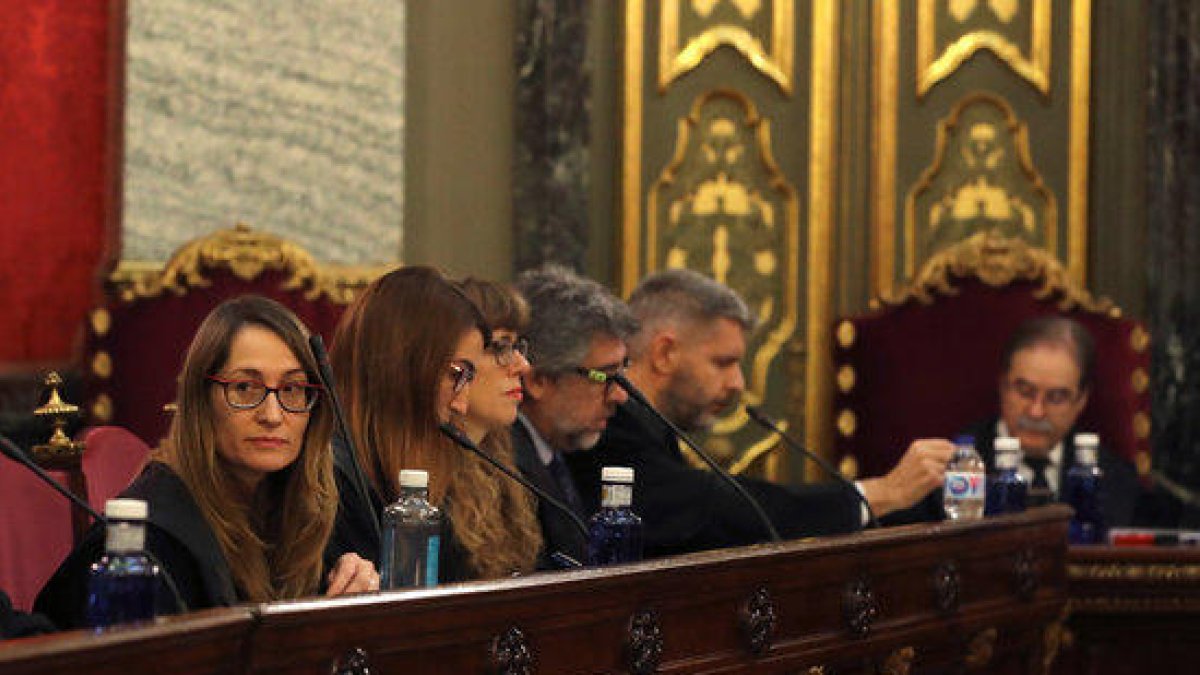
pixel 686 359
pixel 574 322
pixel 1045 379
pixel 1046 376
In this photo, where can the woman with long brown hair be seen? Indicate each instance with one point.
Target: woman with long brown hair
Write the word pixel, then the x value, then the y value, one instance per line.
pixel 514 537
pixel 404 355
pixel 241 493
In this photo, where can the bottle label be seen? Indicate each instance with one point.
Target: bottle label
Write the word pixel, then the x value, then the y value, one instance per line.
pixel 432 545
pixel 616 495
pixel 125 536
pixel 964 485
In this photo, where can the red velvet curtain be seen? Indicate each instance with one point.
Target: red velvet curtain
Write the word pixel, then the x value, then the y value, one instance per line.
pixel 59 111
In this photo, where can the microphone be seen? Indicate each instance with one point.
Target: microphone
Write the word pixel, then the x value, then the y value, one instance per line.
pixel 455 434
pixel 764 420
pixel 637 395
pixel 325 371
pixel 15 453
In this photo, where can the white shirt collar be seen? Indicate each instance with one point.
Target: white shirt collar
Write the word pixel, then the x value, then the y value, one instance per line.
pixel 545 453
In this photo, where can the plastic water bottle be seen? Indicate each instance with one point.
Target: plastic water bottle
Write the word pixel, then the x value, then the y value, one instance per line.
pixel 122 584
pixel 1081 490
pixel 966 479
pixel 615 531
pixel 412 534
pixel 1006 490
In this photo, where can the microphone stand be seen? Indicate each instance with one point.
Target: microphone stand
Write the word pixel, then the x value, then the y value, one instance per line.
pixel 455 434
pixel 15 453
pixel 766 422
pixel 637 395
pixel 358 476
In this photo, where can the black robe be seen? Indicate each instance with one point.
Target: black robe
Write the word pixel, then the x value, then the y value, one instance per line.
pixel 176 534
pixel 687 509
pixel 559 533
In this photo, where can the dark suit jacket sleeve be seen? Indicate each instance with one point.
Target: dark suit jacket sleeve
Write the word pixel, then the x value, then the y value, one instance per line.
pixel 686 509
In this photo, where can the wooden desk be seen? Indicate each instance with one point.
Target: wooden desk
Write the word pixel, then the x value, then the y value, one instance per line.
pixel 933 598
pixel 1133 610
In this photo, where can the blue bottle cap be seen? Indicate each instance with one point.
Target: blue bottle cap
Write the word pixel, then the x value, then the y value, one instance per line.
pixel 964 439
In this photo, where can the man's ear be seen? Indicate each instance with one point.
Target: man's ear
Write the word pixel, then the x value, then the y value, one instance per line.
pixel 535 385
pixel 662 354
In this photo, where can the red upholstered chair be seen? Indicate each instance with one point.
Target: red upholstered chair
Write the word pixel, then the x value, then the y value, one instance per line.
pixel 35 532
pixel 112 458
pixel 927 363
pixel 137 339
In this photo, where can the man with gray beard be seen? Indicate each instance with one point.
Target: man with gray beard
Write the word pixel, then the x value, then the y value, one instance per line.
pixel 576 326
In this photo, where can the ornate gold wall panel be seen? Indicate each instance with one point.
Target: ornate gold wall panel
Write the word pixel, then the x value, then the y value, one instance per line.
pixel 933 180
pixel 693 29
pixel 951 31
pixel 730 173
pixel 982 180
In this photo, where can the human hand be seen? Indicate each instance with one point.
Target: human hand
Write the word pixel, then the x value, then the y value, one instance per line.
pixel 352 574
pixel 921 469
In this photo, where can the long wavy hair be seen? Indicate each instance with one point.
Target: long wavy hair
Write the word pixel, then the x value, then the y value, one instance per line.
pixel 274 544
pixel 390 353
pixel 507 525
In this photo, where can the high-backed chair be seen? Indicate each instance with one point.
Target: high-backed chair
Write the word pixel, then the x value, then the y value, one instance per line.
pixel 926 363
pixel 112 458
pixel 137 339
pixel 35 532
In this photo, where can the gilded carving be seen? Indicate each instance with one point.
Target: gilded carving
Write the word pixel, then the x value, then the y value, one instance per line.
pixel 898 662
pixel 848 467
pixel 1139 339
pixel 982 180
pixel 998 261
pixel 691 30
pixel 951 31
pixel 1055 637
pixel 101 322
pixel 1141 425
pixel 847 423
pixel 845 379
pixel 102 364
pixel 1140 381
pixel 845 334
pixel 247 254
pixel 757 450
pixel 1143 462
pixel 102 408
pixel 723 208
pixel 981 649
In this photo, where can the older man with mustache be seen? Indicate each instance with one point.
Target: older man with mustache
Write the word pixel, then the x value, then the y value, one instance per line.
pixel 1045 380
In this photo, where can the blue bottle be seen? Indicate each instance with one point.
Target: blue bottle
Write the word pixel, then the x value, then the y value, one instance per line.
pixel 1081 490
pixel 1007 490
pixel 412 534
pixel 615 531
pixel 122 584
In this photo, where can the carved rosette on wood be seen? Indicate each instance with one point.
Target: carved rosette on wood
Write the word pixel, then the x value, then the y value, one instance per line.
pixel 947 584
pixel 644 643
pixel 1025 575
pixel 758 621
pixel 353 662
pixel 509 653
pixel 860 608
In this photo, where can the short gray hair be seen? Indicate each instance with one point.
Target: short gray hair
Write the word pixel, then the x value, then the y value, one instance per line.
pixel 566 312
pixel 679 297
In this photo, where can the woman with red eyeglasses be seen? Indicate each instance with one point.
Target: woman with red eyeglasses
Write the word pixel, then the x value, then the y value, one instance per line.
pixel 241 493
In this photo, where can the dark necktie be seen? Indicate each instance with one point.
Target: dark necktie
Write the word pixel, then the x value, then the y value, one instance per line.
pixel 562 476
pixel 1039 465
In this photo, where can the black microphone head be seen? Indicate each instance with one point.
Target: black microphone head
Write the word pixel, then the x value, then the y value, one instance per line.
pixel 317 344
pixel 756 413
pixel 631 389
